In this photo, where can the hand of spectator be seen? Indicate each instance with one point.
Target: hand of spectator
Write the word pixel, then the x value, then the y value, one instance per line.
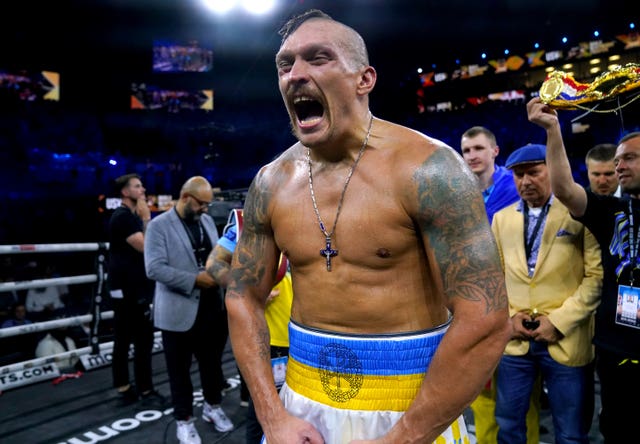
pixel 541 114
pixel 519 330
pixel 205 280
pixel 546 332
pixel 142 210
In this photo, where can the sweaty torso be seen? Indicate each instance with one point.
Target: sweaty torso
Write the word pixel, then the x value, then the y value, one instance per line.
pixel 383 278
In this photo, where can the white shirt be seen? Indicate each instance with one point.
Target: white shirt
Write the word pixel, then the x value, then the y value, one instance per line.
pixel 39 298
pixel 49 346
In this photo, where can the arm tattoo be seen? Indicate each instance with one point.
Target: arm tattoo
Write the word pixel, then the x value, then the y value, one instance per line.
pixel 219 270
pixel 452 217
pixel 248 266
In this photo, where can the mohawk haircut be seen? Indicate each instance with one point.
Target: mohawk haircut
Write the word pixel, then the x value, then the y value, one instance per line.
pixel 352 43
pixel 294 23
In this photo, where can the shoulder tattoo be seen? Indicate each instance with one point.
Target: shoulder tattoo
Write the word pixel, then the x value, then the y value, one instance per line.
pixel 452 217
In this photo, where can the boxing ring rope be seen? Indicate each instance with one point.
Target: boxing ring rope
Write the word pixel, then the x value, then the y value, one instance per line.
pixel 52 248
pixel 77 353
pixel 94 317
pixel 74 321
pixel 23 285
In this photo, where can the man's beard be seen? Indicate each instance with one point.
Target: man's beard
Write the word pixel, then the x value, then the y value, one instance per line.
pixel 191 216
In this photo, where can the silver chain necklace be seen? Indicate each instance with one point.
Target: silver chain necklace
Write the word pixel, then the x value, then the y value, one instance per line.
pixel 329 252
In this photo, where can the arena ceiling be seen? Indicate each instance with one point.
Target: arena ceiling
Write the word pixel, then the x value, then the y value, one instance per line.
pixel 102 46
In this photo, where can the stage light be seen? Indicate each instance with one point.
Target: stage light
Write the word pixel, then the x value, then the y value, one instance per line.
pixel 596 33
pixel 567 66
pixel 614 57
pixel 419 70
pixel 632 25
pixel 506 52
pixel 113 162
pixel 594 70
pixel 220 6
pixel 483 55
pixel 549 69
pixel 565 40
pixel 536 45
pixel 594 61
pixel 258 6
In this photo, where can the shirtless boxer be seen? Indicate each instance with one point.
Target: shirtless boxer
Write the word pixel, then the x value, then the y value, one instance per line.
pixel 400 311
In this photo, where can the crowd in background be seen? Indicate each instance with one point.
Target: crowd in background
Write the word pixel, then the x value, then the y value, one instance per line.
pixel 45 303
pixel 55 164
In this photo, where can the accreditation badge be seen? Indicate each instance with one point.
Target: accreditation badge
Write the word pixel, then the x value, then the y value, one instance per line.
pixel 279 368
pixel 628 306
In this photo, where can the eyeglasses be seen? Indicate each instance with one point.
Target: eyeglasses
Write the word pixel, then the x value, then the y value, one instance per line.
pixel 202 203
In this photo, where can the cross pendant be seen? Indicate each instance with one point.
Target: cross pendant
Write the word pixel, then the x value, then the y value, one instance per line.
pixel 328 253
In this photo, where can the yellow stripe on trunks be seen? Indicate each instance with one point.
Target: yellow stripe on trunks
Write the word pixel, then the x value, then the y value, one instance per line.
pixel 357 372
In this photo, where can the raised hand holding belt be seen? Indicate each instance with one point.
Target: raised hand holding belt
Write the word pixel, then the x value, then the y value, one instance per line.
pixel 561 91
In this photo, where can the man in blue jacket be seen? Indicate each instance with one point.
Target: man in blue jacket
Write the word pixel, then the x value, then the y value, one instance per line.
pixel 479 150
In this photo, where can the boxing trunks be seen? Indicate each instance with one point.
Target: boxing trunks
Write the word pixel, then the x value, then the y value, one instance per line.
pixel 358 386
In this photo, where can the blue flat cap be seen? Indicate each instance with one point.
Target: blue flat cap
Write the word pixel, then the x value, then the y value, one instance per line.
pixel 531 153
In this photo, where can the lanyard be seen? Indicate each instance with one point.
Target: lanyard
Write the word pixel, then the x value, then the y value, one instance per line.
pixel 633 244
pixel 529 240
pixel 198 247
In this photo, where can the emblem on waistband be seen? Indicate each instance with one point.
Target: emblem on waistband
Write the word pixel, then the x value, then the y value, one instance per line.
pixel 340 372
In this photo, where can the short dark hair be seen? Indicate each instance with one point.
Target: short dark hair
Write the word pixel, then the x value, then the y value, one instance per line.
pixel 629 136
pixel 602 152
pixel 123 181
pixel 294 23
pixel 477 130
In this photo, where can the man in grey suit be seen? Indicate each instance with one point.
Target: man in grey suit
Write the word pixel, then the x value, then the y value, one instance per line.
pixel 188 307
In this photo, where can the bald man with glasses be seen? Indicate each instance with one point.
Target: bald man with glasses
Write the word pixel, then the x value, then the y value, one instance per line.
pixel 188 307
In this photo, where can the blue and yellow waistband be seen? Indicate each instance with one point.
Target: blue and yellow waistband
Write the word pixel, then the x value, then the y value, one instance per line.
pixel 360 372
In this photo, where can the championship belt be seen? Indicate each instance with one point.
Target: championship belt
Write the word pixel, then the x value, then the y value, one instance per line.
pixel 561 91
pixel 236 218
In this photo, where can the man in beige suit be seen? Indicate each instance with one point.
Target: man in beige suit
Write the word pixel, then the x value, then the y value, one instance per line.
pixel 553 274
